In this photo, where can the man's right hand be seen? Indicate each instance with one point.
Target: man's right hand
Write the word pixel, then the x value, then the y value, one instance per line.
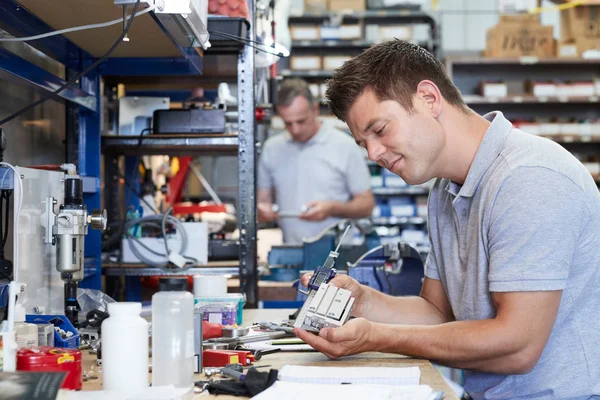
pixel 266 213
pixel 343 281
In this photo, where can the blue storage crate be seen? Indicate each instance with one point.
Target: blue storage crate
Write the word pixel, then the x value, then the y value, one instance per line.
pixel 63 323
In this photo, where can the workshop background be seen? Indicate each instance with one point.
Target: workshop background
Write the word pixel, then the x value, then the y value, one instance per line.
pixel 537 61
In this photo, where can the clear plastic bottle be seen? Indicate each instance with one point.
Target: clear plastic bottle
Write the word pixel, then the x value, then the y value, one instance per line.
pixel 173 335
pixel 124 348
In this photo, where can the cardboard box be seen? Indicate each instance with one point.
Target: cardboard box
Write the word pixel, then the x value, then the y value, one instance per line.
pixel 582 22
pixel 516 40
pixel 402 32
pixel 331 63
pixel 313 63
pixel 301 32
pixel 345 5
pixel 351 31
pixel 315 6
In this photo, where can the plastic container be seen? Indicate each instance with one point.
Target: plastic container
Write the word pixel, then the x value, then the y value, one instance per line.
pixel 26 333
pixel 230 306
pixel 62 322
pixel 124 348
pixel 173 337
pixel 50 359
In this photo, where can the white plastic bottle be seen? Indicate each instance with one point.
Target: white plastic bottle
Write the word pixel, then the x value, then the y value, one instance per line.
pixel 124 348
pixel 173 335
pixel 26 333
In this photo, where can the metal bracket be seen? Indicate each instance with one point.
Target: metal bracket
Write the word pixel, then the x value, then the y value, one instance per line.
pixel 48 220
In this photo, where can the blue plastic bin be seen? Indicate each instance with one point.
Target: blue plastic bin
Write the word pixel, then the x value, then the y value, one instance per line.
pixel 63 323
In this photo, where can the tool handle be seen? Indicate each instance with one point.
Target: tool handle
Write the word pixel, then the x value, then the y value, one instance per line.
pixel 231 373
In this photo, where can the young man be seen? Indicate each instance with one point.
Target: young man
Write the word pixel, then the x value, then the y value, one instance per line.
pixel 312 170
pixel 512 284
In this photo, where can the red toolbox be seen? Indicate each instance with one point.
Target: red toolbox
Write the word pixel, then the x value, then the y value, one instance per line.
pixel 53 359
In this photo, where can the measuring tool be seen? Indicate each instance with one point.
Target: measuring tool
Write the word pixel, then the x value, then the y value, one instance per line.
pixel 326 305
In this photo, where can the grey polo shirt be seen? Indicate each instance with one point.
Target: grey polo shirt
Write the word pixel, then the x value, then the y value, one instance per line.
pixel 329 166
pixel 527 218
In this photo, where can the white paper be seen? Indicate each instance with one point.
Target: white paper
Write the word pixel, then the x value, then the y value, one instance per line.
pixel 300 391
pixel 150 393
pixel 353 375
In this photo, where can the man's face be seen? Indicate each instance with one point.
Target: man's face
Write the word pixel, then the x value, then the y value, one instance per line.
pixel 408 145
pixel 300 118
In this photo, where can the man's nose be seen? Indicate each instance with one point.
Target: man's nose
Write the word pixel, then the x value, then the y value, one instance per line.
pixel 375 151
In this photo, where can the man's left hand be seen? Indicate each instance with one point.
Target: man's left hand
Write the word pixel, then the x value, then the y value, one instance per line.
pixel 317 211
pixel 356 336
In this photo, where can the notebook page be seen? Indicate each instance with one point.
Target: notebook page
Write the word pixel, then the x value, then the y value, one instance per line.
pixel 354 375
pixel 300 391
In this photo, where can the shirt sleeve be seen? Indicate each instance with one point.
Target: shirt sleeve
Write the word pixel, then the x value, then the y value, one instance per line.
pixel 534 229
pixel 265 171
pixel 358 178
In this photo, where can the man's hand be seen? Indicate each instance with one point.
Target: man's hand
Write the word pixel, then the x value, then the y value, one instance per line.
pixel 343 281
pixel 356 336
pixel 266 213
pixel 317 211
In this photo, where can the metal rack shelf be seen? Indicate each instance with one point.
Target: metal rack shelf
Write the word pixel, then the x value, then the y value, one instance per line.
pixel 378 16
pixel 307 74
pixel 217 268
pixel 171 144
pixel 529 99
pixel 151 52
pixel 400 191
pixel 398 220
pixel 519 61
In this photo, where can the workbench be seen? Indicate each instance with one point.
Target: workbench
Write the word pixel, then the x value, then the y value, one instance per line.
pixel 429 375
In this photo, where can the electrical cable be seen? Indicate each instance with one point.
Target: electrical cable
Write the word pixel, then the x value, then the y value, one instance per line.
pixel 76 77
pixel 77 28
pixel 246 42
pixel 154 221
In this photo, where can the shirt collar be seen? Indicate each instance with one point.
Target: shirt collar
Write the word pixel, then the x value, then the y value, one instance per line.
pixel 489 149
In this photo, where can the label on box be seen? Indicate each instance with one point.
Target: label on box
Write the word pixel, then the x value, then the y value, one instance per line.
pixel 304 33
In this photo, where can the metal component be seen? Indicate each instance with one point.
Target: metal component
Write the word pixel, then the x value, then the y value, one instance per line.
pixel 247 169
pixel 98 219
pixel 214 346
pixel 234 332
pixel 125 38
pixel 276 327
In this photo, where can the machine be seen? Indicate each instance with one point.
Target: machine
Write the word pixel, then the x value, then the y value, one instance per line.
pixel 396 269
pixel 67 231
pixel 325 306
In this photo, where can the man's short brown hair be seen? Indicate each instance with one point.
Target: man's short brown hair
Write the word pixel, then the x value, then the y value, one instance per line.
pixel 291 88
pixel 393 70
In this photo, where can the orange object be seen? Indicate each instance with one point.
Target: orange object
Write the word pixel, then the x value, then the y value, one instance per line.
pixel 211 330
pixel 219 358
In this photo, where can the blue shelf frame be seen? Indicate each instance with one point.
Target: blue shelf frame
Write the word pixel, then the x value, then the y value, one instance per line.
pixel 19 22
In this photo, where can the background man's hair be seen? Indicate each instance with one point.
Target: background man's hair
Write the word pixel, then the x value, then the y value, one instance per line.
pixel 393 70
pixel 291 88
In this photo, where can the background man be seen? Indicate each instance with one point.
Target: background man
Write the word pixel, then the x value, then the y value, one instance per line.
pixel 312 169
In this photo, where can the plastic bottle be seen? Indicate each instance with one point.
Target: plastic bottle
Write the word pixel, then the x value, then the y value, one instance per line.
pixel 26 333
pixel 124 348
pixel 173 335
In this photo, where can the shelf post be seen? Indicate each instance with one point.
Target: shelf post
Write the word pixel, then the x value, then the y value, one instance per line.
pixel 247 169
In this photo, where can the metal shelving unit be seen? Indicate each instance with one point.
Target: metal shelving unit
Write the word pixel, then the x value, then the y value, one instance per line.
pixel 152 52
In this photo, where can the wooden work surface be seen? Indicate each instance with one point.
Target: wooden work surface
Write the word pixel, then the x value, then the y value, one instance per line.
pixel 429 375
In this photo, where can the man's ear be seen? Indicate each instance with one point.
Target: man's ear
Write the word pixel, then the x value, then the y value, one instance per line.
pixel 431 97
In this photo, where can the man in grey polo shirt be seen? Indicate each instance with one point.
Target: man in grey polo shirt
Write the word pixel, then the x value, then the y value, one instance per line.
pixel 512 286
pixel 313 172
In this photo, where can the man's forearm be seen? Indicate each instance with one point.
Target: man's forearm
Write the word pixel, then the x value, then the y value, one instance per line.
pixel 360 206
pixel 485 345
pixel 409 310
